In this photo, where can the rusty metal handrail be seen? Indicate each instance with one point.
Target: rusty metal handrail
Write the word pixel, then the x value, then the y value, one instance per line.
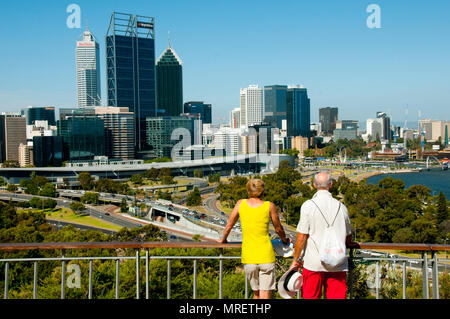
pixel 185 245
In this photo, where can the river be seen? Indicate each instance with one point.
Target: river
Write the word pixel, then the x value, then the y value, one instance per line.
pixel 437 180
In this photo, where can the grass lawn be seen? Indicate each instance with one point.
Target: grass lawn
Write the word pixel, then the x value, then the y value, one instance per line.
pixel 67 215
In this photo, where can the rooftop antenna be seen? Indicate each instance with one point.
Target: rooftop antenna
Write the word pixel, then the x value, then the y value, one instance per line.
pixel 168 37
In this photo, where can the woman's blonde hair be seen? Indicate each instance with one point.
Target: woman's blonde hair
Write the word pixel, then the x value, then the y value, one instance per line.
pixel 255 188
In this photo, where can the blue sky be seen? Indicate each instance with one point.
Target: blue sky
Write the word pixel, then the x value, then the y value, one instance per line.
pixel 226 45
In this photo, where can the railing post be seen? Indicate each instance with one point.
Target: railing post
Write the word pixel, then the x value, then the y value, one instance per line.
pixel 168 278
pixel 435 275
pixel 6 280
pixel 246 285
pixel 220 273
pixel 90 279
pixel 425 275
pixel 404 279
pixel 377 279
pixel 137 274
pixel 35 280
pixel 63 276
pixel 117 278
pixel 350 271
pixel 147 292
pixel 195 280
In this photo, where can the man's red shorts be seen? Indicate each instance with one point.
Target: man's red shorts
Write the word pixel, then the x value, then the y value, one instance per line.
pixel 334 282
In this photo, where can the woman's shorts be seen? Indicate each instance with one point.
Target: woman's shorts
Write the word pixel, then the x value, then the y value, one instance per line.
pixel 261 276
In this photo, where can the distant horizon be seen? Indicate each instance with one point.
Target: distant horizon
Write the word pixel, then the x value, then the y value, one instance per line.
pixel 400 68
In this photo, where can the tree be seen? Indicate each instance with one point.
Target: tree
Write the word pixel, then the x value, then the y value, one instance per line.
pixel 90 198
pixel 86 180
pixel 10 164
pixel 442 208
pixel 137 179
pixel 152 174
pixel 77 206
pixel 11 188
pixel 48 190
pixel 2 181
pixel 194 198
pixel 123 206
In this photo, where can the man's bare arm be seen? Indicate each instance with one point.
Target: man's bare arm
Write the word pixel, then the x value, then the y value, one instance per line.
pixel 299 246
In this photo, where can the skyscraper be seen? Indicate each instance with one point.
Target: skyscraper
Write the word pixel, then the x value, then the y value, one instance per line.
pixel 251 105
pixel 275 104
pixel 327 118
pixel 83 136
pixel 88 71
pixel 386 133
pixel 13 134
pixel 160 130
pixel 34 114
pixel 169 83
pixel 199 108
pixel 130 61
pixel 235 117
pixel 298 111
pixel 119 131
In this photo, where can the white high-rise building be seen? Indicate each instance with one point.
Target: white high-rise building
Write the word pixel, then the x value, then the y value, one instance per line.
pixel 251 106
pixel 88 71
pixel 373 129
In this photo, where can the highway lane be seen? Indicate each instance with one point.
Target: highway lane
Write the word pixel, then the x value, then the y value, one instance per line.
pixel 120 221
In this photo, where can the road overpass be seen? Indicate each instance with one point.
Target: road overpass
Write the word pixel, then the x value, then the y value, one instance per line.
pixel 227 165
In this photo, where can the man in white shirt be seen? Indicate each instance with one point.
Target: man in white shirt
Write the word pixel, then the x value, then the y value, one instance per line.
pixel 316 214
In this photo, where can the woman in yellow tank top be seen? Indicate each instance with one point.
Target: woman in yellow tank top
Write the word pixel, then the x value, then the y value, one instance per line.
pixel 258 255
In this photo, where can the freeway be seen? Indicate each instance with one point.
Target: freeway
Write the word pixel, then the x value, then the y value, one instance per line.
pixel 123 222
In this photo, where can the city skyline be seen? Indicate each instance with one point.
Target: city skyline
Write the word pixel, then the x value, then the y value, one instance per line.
pixel 361 71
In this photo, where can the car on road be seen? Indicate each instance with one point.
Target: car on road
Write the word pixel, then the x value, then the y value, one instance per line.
pixel 216 218
pixel 139 225
pixel 107 214
pixel 222 213
pixel 222 222
pixel 203 215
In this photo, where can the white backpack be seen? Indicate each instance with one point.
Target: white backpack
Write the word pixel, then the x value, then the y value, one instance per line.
pixel 332 250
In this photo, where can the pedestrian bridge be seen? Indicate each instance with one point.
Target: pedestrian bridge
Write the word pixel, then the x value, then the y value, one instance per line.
pixel 428 264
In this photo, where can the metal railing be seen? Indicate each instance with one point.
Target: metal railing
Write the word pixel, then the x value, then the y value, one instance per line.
pixel 139 247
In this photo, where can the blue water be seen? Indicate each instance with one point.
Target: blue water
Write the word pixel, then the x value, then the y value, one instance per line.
pixel 435 179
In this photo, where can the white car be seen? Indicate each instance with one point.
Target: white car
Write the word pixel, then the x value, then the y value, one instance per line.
pixel 216 218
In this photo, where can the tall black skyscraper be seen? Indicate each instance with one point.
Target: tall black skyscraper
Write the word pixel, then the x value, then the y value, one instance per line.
pixel 328 117
pixel 298 111
pixel 130 65
pixel 275 104
pixel 169 83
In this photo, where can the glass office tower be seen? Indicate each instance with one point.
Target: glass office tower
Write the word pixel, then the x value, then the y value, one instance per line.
pixel 34 114
pixel 169 84
pixel 130 62
pixel 298 112
pixel 201 108
pixel 83 136
pixel 275 104
pixel 48 151
pixel 160 129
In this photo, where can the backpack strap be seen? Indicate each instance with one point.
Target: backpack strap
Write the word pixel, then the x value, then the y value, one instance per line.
pixel 328 225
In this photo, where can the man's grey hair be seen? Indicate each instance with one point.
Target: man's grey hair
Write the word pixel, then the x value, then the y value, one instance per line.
pixel 322 180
